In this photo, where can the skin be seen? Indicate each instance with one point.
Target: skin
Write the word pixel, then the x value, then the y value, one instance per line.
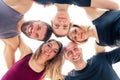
pixel 61 23
pixel 49 51
pixel 81 34
pixel 12 44
pixel 77 34
pixel 37 30
pixel 73 53
pixel 106 4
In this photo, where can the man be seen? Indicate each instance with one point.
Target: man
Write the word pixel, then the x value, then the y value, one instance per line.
pixel 11 19
pixel 99 67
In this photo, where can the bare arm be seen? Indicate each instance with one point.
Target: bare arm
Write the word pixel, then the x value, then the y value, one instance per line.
pixel 106 4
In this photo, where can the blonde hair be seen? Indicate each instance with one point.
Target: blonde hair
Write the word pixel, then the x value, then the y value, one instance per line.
pixel 83 27
pixel 53 68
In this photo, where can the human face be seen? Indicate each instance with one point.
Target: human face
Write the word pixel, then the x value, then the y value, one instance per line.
pixel 73 53
pixel 77 34
pixel 36 30
pixel 61 24
pixel 50 49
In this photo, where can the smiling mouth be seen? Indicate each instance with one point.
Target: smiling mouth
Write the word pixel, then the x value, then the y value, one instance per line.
pixel 30 28
pixel 81 35
pixel 76 58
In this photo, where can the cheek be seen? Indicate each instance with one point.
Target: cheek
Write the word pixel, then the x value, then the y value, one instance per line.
pixel 68 56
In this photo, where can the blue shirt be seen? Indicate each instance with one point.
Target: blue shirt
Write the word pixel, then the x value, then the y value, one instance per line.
pixel 108 28
pixel 99 67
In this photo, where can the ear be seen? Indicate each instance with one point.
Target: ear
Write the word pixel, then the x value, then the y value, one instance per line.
pixel 51 23
pixel 66 57
pixel 71 25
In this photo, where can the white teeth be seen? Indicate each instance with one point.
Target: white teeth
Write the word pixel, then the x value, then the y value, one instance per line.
pixel 75 57
pixel 46 53
pixel 29 29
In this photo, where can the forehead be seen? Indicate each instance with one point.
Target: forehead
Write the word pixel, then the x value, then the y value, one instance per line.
pixel 53 43
pixel 70 45
pixel 73 28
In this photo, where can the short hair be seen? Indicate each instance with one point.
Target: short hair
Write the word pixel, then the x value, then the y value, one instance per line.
pixel 48 31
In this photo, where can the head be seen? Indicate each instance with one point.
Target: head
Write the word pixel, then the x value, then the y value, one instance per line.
pixel 51 51
pixel 78 34
pixel 72 52
pixel 37 30
pixel 61 24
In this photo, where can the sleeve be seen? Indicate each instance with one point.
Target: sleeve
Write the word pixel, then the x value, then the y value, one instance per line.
pixel 113 56
pixel 63 1
pixel 66 78
pixel 44 1
pixel 10 75
pixel 82 3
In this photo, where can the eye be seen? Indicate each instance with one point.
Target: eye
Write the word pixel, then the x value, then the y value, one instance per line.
pixel 37 35
pixel 69 53
pixel 75 31
pixel 49 45
pixel 75 49
pixel 55 50
pixel 75 38
pixel 57 26
pixel 65 27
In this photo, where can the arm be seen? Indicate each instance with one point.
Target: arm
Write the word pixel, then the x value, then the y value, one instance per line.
pixel 99 49
pixel 106 4
pixel 113 56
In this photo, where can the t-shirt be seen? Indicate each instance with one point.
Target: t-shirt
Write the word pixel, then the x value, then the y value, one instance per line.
pixel 21 71
pixel 9 19
pixel 99 67
pixel 108 28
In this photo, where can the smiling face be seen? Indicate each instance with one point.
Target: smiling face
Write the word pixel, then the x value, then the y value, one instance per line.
pixel 77 34
pixel 61 24
pixel 73 53
pixel 35 30
pixel 50 50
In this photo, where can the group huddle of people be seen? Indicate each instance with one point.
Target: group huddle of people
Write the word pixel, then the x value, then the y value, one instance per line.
pixel 47 60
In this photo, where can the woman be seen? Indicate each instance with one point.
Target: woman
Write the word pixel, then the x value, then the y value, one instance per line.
pixel 42 64
pixel 61 23
pixel 106 30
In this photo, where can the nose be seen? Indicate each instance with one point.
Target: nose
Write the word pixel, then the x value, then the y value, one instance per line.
pixel 62 20
pixel 49 50
pixel 73 52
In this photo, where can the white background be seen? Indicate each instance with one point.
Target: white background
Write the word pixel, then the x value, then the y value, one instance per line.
pixel 37 12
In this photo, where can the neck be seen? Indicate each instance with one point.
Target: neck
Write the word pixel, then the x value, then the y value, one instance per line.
pixel 36 64
pixel 91 31
pixel 80 65
pixel 62 7
pixel 94 13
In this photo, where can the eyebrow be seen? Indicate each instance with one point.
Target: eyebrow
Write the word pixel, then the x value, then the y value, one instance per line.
pixel 52 44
